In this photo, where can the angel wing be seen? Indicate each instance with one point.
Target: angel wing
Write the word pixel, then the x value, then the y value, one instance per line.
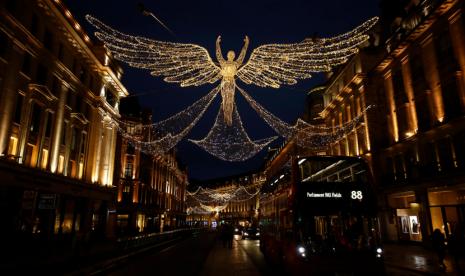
pixel 187 64
pixel 275 64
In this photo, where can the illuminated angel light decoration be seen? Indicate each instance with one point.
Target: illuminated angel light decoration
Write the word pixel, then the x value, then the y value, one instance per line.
pixel 269 65
pixel 167 133
pixel 306 135
pixel 239 146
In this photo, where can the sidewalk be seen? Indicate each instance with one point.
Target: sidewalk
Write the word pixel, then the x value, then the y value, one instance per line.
pixel 419 259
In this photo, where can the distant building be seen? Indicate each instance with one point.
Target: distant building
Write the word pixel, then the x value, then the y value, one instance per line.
pixel 241 212
pixel 59 95
pixel 151 186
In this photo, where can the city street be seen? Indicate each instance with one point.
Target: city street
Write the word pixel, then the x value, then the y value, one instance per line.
pixel 326 137
pixel 204 255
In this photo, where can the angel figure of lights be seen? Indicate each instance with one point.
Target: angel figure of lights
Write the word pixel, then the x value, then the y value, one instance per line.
pixel 270 65
pixel 228 72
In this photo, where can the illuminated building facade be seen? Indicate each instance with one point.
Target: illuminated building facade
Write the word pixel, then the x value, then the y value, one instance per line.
pixel 422 153
pixel 414 135
pixel 151 187
pixel 58 100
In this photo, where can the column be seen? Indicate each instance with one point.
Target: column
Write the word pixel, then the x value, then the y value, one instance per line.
pixel 112 156
pixel 457 33
pixel 432 77
pixel 407 77
pixel 8 97
pixel 58 128
pixel 391 106
pixel 105 152
pixel 95 141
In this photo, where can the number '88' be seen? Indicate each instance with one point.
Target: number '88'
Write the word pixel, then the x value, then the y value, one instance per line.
pixel 356 195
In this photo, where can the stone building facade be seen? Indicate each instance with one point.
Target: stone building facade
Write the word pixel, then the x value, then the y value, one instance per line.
pixel 58 104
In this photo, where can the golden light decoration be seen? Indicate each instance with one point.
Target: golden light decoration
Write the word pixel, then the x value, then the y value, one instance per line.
pixel 270 65
pixel 231 143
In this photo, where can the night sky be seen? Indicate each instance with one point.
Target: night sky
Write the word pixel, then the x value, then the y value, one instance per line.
pixel 200 22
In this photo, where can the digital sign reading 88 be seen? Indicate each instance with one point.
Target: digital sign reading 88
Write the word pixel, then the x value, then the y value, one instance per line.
pixel 356 195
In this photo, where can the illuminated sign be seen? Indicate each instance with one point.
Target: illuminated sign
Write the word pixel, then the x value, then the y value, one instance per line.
pixel 356 195
pixel 318 192
pixel 324 195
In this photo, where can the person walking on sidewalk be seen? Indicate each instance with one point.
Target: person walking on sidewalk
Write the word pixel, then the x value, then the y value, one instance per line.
pixel 439 247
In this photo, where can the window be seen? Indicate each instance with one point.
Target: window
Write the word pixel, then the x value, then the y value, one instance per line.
pixel 128 169
pixel 4 44
pixel 420 87
pixel 48 40
pixel 42 74
pixel 111 99
pixel 48 129
pixel 26 67
pixel 18 108
pixel 61 162
pixel 127 189
pixel 35 119
pixel 56 86
pixel 63 135
pixel 130 149
pixel 399 90
pixel 34 28
pixel 61 52
pixel 13 146
pixel 444 51
pixel 71 100
pixel 73 139
pixel 44 161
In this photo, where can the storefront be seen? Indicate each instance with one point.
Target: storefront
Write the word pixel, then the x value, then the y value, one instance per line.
pixel 413 217
pixel 447 209
pixel 405 222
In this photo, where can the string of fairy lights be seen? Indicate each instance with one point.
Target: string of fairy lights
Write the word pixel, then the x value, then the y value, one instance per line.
pixel 207 201
pixel 165 134
pixel 269 65
pixel 231 143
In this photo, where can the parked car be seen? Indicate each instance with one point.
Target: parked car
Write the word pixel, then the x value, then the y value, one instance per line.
pixel 251 233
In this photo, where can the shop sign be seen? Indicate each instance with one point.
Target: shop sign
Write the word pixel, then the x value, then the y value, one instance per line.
pixel 47 201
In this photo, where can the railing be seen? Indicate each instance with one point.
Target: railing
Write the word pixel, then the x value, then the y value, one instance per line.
pixel 127 243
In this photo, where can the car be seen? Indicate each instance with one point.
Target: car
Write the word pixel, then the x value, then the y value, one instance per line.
pixel 238 230
pixel 251 233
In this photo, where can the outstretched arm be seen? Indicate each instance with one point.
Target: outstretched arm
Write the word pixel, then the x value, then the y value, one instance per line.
pixel 219 54
pixel 241 57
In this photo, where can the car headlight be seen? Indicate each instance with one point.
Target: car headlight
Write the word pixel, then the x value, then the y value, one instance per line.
pixel 246 234
pixel 379 250
pixel 301 249
pixel 258 234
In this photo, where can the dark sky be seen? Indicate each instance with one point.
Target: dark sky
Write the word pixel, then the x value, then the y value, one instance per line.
pixel 200 22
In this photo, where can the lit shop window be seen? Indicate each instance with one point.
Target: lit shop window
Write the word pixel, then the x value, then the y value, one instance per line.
pixel 43 162
pixel 13 146
pixel 61 162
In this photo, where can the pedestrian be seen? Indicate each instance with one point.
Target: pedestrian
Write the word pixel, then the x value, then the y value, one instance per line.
pixel 223 234
pixel 439 247
pixel 230 235
pixel 455 243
